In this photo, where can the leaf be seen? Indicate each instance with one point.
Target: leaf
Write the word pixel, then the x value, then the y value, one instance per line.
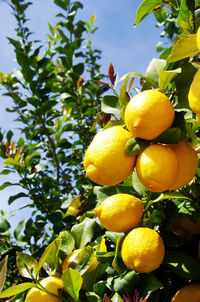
pixel 83 232
pixel 166 76
pixel 29 158
pixel 110 104
pixel 26 263
pixel 104 192
pixel 135 146
pixel 182 265
pixel 153 71
pixel 13 162
pixel 92 19
pixel 7 184
pixel 148 283
pixel 18 229
pixel 164 196
pixel 137 185
pixel 170 136
pixel 17 289
pixel 72 281
pixel 184 16
pixel 111 73
pixel 185 47
pixel 116 298
pixel 4 226
pixel 145 8
pixel 3 270
pixel 14 197
pixel 117 263
pixel 127 280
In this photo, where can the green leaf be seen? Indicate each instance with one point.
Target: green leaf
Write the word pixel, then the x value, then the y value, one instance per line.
pixel 3 270
pixel 8 184
pixel 67 244
pixel 184 17
pixel 127 280
pixel 153 71
pixel 14 197
pixel 185 47
pixel 4 226
pixel 17 289
pixel 104 192
pixel 26 265
pixel 148 283
pixel 72 281
pixel 135 146
pixel 116 298
pixel 145 8
pixel 30 157
pixel 166 76
pixel 110 104
pixel 117 263
pixel 13 162
pixel 137 185
pixel 18 229
pixel 83 232
pixel 182 265
pixel 170 136
pixel 174 195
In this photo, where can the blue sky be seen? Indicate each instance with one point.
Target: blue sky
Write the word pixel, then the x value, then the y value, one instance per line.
pixel 128 48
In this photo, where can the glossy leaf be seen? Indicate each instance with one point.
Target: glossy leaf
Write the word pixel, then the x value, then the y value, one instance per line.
pixel 110 104
pixel 72 281
pixel 145 8
pixel 184 16
pixel 127 280
pixel 166 76
pixel 117 263
pixel 135 146
pixel 26 265
pixel 148 283
pixel 83 232
pixel 184 47
pixel 153 71
pixel 17 289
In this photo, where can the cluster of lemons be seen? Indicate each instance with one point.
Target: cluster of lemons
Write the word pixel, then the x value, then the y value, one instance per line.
pixel 159 167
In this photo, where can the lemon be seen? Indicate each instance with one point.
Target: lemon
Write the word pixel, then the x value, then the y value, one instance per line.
pixel 188 293
pixel 105 161
pixel 52 284
pixel 187 164
pixel 194 94
pixel 143 250
pixel 185 226
pixel 157 167
pixel 120 212
pixel 148 114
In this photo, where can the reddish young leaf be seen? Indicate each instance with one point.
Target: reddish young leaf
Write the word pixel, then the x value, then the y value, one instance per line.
pixel 106 299
pixel 111 74
pixel 103 83
pixel 131 83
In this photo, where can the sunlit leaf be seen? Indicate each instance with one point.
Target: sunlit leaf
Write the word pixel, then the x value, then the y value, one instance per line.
pixel 72 281
pixel 145 8
pixel 166 76
pixel 185 47
pixel 17 289
pixel 153 71
pixel 26 265
pixel 83 232
pixel 110 104
pixel 117 263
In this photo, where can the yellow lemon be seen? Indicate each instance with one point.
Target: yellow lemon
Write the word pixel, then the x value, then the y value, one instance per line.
pixel 120 212
pixel 143 250
pixel 188 293
pixel 52 284
pixel 194 93
pixel 185 226
pixel 157 167
pixel 148 114
pixel 105 161
pixel 187 164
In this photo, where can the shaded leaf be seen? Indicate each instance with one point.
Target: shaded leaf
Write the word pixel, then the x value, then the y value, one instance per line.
pixel 3 270
pixel 183 265
pixel 14 197
pixel 148 283
pixel 117 263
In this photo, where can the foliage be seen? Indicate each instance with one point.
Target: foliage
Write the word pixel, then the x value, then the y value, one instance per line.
pixel 59 113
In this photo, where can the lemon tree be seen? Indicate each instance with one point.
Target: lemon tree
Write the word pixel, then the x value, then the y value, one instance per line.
pixel 131 233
